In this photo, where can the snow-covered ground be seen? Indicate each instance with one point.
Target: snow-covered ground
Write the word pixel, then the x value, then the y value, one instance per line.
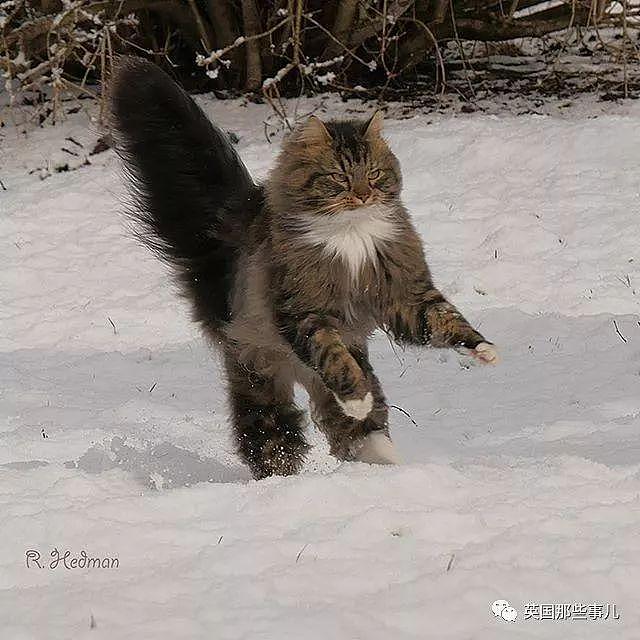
pixel 521 482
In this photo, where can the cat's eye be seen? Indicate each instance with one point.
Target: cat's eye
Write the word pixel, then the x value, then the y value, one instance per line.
pixel 340 178
pixel 374 174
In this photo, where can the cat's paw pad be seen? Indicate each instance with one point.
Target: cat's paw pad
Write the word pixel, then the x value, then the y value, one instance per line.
pixel 377 448
pixel 358 409
pixel 485 352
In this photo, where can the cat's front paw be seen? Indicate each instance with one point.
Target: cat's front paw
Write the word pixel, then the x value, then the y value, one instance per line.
pixel 356 408
pixel 485 353
pixel 376 448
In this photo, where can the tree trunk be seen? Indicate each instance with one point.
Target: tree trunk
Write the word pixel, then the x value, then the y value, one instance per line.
pixel 221 18
pixel 341 26
pixel 251 21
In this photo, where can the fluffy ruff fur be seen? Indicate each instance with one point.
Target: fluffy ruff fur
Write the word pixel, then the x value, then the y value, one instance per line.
pixel 289 278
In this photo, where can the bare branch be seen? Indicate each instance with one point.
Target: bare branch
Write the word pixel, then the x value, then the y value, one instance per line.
pixel 396 9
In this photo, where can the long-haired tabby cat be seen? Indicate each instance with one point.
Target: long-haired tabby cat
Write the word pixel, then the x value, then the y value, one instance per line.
pixel 291 277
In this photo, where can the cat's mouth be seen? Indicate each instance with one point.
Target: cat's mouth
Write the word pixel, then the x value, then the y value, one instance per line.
pixel 356 202
pixel 351 203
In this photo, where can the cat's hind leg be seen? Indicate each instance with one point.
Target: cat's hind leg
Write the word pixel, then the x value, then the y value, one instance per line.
pixel 350 438
pixel 267 425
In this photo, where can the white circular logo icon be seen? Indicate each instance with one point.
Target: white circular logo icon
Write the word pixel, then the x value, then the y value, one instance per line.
pixel 502 609
pixel 509 614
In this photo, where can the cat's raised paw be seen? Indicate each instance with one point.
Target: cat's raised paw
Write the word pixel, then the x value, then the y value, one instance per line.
pixel 486 353
pixel 358 409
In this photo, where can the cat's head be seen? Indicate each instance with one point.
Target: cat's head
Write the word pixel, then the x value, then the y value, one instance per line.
pixel 335 166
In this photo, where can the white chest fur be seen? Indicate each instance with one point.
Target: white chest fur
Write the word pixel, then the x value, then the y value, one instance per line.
pixel 351 236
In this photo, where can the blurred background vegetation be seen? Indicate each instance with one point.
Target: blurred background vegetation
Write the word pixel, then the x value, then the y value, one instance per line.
pixel 54 50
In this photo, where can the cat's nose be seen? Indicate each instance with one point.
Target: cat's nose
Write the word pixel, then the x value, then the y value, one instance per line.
pixel 362 195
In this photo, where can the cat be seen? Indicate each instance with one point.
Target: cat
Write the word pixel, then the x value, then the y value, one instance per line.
pixel 289 278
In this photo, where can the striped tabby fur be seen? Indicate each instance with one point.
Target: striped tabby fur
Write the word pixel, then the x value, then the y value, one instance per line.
pixel 290 278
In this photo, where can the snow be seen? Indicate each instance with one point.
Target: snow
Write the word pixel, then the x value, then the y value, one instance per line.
pixel 520 482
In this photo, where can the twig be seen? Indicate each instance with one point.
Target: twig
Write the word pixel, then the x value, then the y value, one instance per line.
pixel 199 22
pixel 615 324
pixel 436 48
pixel 393 406
pixel 216 55
pixel 266 131
pixel 394 12
pixel 115 331
pixel 450 563
pixel 393 344
pixel 272 95
pixel 300 552
pixel 312 20
pixel 465 62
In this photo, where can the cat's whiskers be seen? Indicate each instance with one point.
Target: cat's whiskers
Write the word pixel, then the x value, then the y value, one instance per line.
pixel 327 209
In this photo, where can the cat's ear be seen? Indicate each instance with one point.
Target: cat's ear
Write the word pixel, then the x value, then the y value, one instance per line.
pixel 373 127
pixel 314 131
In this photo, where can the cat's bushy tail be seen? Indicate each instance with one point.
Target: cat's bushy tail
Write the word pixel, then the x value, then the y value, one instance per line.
pixel 192 195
